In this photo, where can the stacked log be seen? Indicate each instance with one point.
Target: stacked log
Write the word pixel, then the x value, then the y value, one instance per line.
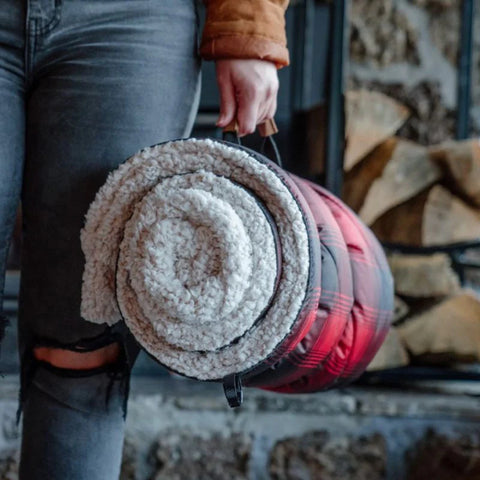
pixel 435 217
pixel 417 196
pixel 423 276
pixel 371 118
pixel 447 333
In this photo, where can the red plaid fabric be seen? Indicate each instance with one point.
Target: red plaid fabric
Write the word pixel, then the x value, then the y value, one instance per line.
pixel 354 310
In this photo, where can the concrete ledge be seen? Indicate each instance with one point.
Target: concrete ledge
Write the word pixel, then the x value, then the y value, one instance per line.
pixel 183 429
pixel 186 394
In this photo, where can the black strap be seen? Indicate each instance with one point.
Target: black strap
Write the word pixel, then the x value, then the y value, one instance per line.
pixel 232 386
pixel 268 148
pixel 231 136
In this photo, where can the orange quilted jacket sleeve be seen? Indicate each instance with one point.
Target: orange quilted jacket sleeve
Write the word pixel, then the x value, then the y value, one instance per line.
pixel 245 29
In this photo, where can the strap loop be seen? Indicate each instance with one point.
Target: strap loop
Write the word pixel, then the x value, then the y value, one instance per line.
pixel 232 386
pixel 266 130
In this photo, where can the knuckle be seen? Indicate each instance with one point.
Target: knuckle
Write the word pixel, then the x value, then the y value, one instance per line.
pixel 273 88
pixel 254 92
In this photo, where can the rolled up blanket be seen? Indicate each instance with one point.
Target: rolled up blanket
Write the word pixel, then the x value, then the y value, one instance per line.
pixel 221 263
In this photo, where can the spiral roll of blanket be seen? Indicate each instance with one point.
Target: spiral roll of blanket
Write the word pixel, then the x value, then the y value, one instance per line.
pixel 222 263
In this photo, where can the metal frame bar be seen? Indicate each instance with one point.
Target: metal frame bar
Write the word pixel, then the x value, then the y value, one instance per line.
pixel 304 55
pixel 465 70
pixel 335 138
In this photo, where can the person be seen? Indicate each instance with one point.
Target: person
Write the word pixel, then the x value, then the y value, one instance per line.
pixel 83 85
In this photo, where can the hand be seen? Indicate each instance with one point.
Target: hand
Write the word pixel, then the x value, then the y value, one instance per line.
pixel 248 92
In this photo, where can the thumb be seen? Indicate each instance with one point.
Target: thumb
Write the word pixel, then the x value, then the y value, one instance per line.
pixel 228 104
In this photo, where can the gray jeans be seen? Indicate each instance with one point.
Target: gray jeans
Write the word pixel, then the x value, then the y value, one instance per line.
pixel 83 85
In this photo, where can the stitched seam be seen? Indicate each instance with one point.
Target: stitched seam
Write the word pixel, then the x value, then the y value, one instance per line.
pixel 54 20
pixel 30 45
pixel 50 25
pixel 107 337
pixel 65 404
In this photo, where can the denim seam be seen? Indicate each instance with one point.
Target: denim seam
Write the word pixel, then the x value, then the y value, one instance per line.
pixel 30 45
pixel 43 29
pixel 107 337
pixel 66 404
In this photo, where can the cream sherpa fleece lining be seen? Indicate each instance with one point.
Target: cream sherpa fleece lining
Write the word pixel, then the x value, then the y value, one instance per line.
pixel 196 256
pixel 192 262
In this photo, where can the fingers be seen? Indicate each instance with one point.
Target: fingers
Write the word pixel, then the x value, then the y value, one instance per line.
pixel 272 107
pixel 255 108
pixel 269 106
pixel 248 92
pixel 249 105
pixel 227 99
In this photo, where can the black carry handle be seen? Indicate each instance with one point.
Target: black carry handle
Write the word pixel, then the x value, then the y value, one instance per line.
pixel 232 386
pixel 266 129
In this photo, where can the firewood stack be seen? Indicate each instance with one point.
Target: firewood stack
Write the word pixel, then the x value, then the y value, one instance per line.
pixel 419 196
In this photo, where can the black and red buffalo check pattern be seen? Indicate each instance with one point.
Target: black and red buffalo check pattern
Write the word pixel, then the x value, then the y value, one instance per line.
pixel 355 306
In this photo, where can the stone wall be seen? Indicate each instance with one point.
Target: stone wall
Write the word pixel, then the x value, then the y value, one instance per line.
pixel 180 429
pixel 408 49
